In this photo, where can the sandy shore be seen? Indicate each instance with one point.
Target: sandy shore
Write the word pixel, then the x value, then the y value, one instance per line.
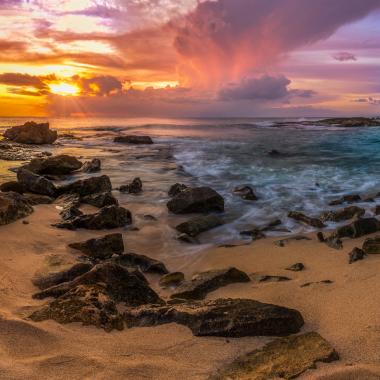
pixel 346 312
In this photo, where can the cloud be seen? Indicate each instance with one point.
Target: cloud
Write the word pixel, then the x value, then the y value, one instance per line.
pixel 99 85
pixel 17 79
pixel 368 100
pixel 344 56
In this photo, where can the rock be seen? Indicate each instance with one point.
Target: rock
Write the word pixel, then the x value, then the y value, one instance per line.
pixel 101 248
pixel 92 185
pixel 92 166
pixel 106 218
pixel 343 214
pixel 205 282
pixel 149 217
pixel 37 199
pixel 297 267
pixel 269 278
pixel 271 225
pixel 372 246
pixel 56 165
pixel 221 317
pixel 334 242
pixel 171 279
pixel 299 217
pixel 132 139
pixel 14 186
pixel 321 237
pixel 176 189
pixel 36 184
pixel 285 358
pixel 376 210
pixel 31 133
pixel 100 199
pixel 197 225
pixel 121 285
pixel 135 187
pixel 358 228
pixel 68 200
pixel 354 198
pixel 52 279
pixel 88 304
pixel 197 199
pixel 355 255
pixel 144 263
pixel 350 122
pixel 13 206
pixel 255 234
pixel 245 192
pixel 185 238
pixel 283 242
pixel 323 282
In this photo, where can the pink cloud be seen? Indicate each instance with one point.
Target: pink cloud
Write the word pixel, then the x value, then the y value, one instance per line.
pixel 344 56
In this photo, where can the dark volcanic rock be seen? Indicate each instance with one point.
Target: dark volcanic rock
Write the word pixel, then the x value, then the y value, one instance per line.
pixel 92 166
pixel 297 267
pixel 31 133
pixel 106 218
pixel 135 187
pixel 176 189
pixel 171 279
pixel 343 214
pixel 354 198
pixel 14 186
pixel 44 282
pixel 36 184
pixel 144 263
pixel 83 187
pixel 197 225
pixel 37 199
pixel 355 255
pixel 132 139
pixel 372 246
pixel 100 199
pixel 358 228
pixel 120 284
pixel 299 217
pixel 198 199
pixel 245 192
pixel 13 206
pixel 101 248
pixel 56 165
pixel 221 317
pixel 205 282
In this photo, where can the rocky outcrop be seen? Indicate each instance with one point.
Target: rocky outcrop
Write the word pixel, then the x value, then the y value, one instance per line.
pixel 205 282
pixel 135 187
pixel 358 228
pixel 171 279
pixel 221 317
pixel 285 358
pixel 356 254
pixel 35 183
pixel 100 199
pixel 101 248
pixel 132 139
pixel 56 165
pixel 106 218
pixel 92 166
pixel 197 199
pixel 31 133
pixel 144 263
pixel 176 189
pixel 343 214
pixel 83 187
pixel 353 198
pixel 300 217
pixel 350 122
pixel 245 192
pixel 13 206
pixel 372 246
pixel 197 225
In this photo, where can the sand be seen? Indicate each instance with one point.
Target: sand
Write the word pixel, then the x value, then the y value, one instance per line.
pixel 346 312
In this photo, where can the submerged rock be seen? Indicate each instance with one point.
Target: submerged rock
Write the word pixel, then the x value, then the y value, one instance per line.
pixel 92 166
pixel 171 279
pixel 13 206
pixel 355 255
pixel 31 133
pixel 144 263
pixel 56 165
pixel 92 185
pixel 132 139
pixel 300 217
pixel 254 234
pixel 343 214
pixel 353 198
pixel 35 183
pixel 101 248
pixel 372 246
pixel 221 317
pixel 245 192
pixel 100 199
pixel 358 228
pixel 135 187
pixel 197 225
pixel 197 199
pixel 285 358
pixel 205 282
pixel 176 189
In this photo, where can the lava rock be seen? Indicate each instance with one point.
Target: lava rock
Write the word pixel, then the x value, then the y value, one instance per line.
pixel 343 214
pixel 300 217
pixel 100 199
pixel 132 139
pixel 144 263
pixel 35 183
pixel 13 206
pixel 245 192
pixel 83 187
pixel 92 166
pixel 31 133
pixel 135 187
pixel 355 255
pixel 56 165
pixel 197 225
pixel 176 189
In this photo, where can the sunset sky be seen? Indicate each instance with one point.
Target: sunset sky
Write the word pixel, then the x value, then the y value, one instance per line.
pixel 176 58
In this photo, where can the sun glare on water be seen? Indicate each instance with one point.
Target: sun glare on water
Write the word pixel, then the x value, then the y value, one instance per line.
pixel 64 89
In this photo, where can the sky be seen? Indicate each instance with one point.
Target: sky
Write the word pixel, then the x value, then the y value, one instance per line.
pixel 189 58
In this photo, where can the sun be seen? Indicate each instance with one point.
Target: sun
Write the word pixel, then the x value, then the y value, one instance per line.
pixel 64 89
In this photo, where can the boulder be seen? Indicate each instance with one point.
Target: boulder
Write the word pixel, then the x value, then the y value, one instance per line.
pixel 37 199
pixel 100 199
pixel 101 248
pixel 358 228
pixel 297 267
pixel 343 214
pixel 92 166
pixel 285 358
pixel 372 246
pixel 106 218
pixel 31 133
pixel 55 165
pixel 92 185
pixel 144 263
pixel 13 206
pixel 35 183
pixel 132 139
pixel 221 317
pixel 171 279
pixel 197 199
pixel 176 189
pixel 197 225
pixel 300 217
pixel 245 192
pixel 135 187
pixel 52 279
pixel 205 282
pixel 14 186
pixel 353 198
pixel 356 254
